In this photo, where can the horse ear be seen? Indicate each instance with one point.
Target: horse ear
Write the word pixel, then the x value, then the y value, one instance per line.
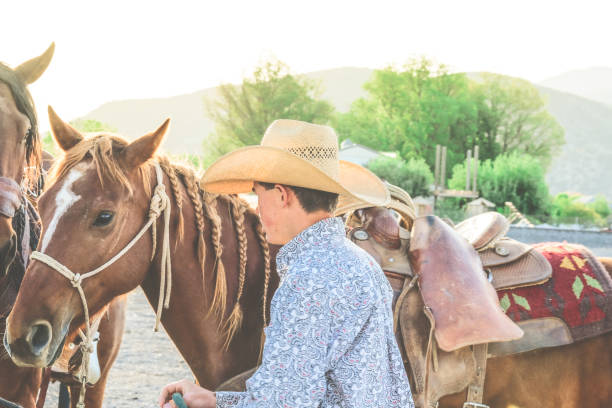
pixel 65 135
pixel 32 69
pixel 143 148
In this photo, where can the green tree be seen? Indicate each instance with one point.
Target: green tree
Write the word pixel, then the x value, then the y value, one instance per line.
pixel 413 109
pixel 510 177
pixel 83 125
pixel 513 118
pixel 413 175
pixel 601 206
pixel 567 209
pixel 242 113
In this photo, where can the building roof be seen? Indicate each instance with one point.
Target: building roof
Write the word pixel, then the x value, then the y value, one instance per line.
pixel 481 201
pixel 348 144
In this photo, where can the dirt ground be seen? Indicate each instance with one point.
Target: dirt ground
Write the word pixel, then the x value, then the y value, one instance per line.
pixel 146 362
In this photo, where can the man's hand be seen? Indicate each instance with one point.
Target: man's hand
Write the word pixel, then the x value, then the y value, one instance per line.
pixel 194 395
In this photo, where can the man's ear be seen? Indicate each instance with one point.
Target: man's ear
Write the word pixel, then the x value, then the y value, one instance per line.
pixel 286 195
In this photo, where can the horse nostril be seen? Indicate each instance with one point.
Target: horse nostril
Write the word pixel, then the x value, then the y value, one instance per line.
pixel 39 337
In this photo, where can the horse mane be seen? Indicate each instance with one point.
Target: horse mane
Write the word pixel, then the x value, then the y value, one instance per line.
pixel 102 149
pixel 25 104
pixel 10 283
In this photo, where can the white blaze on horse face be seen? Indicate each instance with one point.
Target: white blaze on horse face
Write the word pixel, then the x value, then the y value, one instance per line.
pixel 64 199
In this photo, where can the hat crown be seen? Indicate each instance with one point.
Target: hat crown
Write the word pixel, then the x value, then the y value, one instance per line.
pixel 317 144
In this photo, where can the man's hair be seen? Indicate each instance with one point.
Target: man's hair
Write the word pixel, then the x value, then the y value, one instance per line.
pixel 310 200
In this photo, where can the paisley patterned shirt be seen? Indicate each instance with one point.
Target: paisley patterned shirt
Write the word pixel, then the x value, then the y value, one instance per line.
pixel 330 341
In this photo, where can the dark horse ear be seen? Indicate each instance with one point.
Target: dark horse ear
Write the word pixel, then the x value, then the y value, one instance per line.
pixel 142 149
pixel 32 69
pixel 65 135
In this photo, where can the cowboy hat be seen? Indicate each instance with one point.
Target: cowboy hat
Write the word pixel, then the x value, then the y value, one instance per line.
pixel 297 154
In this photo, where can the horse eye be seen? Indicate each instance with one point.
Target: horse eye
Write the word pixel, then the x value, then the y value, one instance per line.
pixel 28 135
pixel 104 218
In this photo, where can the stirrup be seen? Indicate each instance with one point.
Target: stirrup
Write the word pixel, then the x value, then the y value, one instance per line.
pixel 474 405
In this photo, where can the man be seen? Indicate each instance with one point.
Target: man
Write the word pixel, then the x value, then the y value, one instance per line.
pixel 330 341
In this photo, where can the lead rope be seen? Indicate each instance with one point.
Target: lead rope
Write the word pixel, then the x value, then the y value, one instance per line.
pixel 160 202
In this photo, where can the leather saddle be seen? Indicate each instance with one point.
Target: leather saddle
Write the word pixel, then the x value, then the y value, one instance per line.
pixel 440 337
pixel 509 263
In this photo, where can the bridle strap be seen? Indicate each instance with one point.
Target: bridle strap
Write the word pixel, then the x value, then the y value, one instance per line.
pixel 160 203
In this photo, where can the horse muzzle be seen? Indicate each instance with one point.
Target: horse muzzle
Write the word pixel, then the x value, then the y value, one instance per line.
pixel 35 348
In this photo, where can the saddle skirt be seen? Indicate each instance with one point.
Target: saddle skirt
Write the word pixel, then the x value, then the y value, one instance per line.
pixel 464 304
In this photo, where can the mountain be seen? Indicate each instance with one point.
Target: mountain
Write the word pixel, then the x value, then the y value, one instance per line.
pixel 341 86
pixel 584 165
pixel 135 117
pixel 592 83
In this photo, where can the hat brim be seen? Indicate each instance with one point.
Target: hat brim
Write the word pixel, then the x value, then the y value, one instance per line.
pixel 236 171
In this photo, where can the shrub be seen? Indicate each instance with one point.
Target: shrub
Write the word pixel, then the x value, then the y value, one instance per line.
pixel 413 175
pixel 514 177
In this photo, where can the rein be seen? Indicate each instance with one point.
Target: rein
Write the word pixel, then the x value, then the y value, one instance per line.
pixel 160 203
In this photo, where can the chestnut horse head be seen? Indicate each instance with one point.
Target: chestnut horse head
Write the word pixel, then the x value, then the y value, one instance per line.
pixel 98 203
pixel 90 209
pixel 20 154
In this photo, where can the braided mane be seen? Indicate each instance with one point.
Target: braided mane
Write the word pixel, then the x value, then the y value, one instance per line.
pixel 102 149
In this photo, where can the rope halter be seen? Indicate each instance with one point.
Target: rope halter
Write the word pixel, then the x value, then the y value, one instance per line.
pixel 160 204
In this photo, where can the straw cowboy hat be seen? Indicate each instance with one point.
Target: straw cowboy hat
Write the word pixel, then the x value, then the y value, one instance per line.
pixel 297 154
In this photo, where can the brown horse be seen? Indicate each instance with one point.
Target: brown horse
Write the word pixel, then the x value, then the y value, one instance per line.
pixel 575 375
pixel 19 149
pixel 21 161
pixel 98 200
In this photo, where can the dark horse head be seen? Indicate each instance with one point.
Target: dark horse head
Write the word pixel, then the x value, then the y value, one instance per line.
pixel 20 152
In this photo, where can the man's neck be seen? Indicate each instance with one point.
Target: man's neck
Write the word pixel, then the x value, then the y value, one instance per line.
pixel 305 221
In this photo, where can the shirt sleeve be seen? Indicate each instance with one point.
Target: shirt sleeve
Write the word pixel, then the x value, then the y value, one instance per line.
pixel 295 355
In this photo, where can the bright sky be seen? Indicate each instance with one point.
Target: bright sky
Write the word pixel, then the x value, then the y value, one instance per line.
pixel 109 50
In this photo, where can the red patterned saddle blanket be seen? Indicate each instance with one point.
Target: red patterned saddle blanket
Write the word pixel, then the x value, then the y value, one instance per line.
pixel 579 292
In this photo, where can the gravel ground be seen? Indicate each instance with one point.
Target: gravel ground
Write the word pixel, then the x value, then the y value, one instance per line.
pixel 146 362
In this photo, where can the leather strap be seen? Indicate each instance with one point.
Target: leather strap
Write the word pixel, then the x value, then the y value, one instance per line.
pixel 10 197
pixel 42 394
pixel 428 356
pixel 476 387
pixel 26 250
pixel 8 404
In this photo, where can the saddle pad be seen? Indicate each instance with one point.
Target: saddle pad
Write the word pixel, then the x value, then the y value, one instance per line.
pixel 579 292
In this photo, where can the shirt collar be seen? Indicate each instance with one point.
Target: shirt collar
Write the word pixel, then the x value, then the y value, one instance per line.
pixel 321 232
